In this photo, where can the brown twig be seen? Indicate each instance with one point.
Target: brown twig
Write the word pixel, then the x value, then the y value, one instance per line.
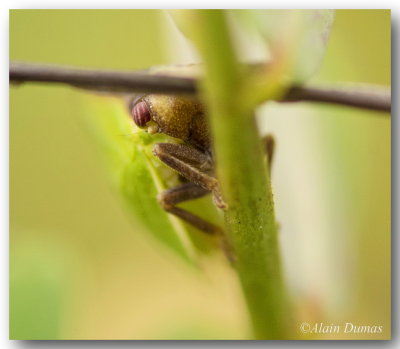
pixel 366 97
pixel 361 96
pixel 101 80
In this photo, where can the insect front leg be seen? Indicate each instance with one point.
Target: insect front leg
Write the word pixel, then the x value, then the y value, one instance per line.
pixel 185 192
pixel 192 164
pixel 195 166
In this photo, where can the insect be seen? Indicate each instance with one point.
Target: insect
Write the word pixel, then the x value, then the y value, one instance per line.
pixel 184 118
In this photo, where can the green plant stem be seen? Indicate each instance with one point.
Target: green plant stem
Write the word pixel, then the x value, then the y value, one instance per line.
pixel 243 177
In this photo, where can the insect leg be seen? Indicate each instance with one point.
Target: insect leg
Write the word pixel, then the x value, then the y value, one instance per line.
pixel 168 199
pixel 269 146
pixel 191 163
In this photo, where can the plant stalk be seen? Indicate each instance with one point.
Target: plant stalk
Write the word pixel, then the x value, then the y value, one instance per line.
pixel 244 181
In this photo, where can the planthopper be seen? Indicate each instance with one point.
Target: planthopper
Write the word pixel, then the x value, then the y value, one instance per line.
pixel 184 118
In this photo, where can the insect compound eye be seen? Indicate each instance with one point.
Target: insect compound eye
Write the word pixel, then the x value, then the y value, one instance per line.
pixel 141 114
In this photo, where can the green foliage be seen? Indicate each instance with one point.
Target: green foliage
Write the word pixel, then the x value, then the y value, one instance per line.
pixel 295 38
pixel 135 172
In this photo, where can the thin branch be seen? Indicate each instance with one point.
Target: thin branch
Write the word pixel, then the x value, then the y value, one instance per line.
pixel 101 80
pixel 361 96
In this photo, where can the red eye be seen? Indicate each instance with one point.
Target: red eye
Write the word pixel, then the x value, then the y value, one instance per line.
pixel 141 114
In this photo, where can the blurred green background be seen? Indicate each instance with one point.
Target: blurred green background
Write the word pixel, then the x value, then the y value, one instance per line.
pixel 79 267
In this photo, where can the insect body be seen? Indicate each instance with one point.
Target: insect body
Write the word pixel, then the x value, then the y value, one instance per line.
pixel 184 118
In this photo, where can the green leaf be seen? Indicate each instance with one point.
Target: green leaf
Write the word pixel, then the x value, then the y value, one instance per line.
pixel 298 38
pixel 135 172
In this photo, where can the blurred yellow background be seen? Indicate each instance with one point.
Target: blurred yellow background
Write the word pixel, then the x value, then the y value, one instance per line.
pixel 79 268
